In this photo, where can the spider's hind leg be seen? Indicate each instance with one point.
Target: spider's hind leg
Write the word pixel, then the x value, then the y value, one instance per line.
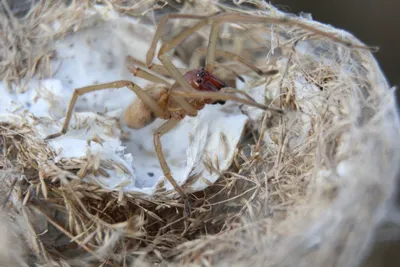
pixel 165 128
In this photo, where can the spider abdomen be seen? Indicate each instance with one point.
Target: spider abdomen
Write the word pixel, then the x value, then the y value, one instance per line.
pixel 138 114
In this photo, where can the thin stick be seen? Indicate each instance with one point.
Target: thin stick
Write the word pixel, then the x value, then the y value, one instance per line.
pixel 65 232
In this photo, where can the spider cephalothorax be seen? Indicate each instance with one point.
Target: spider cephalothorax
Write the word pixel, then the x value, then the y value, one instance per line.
pixel 202 80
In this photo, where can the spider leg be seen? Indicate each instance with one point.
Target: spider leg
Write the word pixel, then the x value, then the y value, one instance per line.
pixel 160 30
pixel 225 96
pixel 138 72
pixel 230 90
pixel 174 72
pixel 143 95
pixel 246 18
pixel 159 69
pixel 212 46
pixel 180 99
pixel 220 66
pixel 174 42
pixel 166 127
pixel 195 59
pixel 232 56
pixel 230 18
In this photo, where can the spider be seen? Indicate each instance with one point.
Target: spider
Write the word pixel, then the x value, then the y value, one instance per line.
pixel 192 89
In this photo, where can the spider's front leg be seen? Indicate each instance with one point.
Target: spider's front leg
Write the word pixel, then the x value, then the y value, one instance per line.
pixel 143 95
pixel 160 30
pixel 158 69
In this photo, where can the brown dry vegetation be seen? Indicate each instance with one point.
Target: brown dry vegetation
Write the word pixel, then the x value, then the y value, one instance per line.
pixel 282 205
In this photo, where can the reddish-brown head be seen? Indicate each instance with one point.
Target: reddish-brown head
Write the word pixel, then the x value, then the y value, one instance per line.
pixel 202 80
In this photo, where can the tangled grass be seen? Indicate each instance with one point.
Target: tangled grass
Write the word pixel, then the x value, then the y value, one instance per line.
pixel 305 189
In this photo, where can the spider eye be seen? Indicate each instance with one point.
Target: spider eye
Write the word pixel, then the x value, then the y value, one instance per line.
pixel 199 81
pixel 201 72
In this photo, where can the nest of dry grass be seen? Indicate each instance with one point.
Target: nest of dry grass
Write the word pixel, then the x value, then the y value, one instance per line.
pixel 314 200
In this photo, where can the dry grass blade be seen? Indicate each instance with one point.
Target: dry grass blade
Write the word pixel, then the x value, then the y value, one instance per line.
pixel 291 181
